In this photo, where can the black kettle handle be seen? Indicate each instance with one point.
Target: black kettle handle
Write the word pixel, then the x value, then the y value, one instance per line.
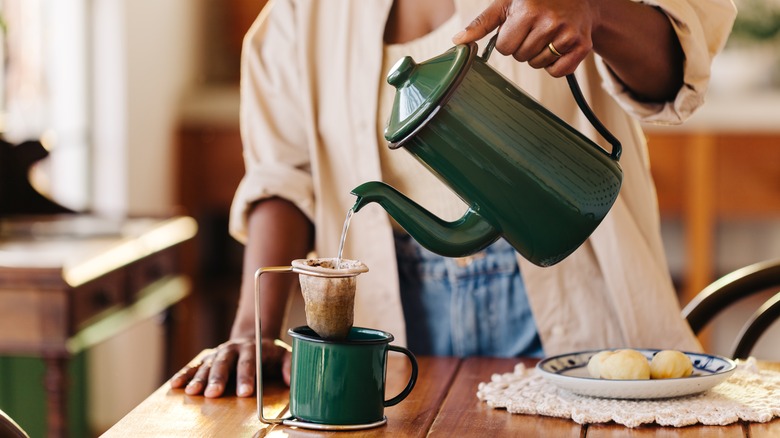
pixel 574 86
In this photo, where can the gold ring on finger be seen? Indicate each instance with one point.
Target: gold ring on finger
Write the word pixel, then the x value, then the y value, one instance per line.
pixel 554 50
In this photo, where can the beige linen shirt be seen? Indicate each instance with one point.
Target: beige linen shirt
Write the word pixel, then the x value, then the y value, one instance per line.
pixel 308 122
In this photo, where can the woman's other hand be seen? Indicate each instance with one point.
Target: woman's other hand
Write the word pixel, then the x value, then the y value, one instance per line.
pixel 210 376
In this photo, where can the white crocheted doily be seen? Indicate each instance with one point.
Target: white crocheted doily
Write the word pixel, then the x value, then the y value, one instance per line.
pixel 749 394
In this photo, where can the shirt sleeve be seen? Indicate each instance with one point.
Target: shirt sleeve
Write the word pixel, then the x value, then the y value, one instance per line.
pixel 274 138
pixel 702 27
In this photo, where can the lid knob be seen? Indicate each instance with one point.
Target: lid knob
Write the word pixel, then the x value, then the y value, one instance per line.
pixel 422 87
pixel 401 71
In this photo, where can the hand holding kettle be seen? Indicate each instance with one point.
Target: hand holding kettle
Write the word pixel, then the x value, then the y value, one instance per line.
pixel 636 40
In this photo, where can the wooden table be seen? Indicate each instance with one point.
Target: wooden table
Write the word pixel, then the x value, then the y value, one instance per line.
pixel 443 403
pixel 69 282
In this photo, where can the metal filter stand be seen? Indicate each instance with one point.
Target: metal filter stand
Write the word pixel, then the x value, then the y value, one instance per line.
pixel 290 420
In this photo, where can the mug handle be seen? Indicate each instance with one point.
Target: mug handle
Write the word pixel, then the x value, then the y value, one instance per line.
pixel 574 86
pixel 412 379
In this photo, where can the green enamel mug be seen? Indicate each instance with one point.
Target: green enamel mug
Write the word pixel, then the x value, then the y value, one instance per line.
pixel 524 174
pixel 343 382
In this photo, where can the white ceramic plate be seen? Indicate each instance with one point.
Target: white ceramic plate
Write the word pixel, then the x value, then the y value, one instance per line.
pixel 569 371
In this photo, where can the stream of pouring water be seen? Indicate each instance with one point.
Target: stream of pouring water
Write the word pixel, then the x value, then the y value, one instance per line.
pixel 350 212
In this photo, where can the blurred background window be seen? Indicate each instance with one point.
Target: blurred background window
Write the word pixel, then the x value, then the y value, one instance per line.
pixel 43 90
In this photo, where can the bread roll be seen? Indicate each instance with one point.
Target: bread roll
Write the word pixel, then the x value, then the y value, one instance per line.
pixel 670 364
pixel 625 364
pixel 594 363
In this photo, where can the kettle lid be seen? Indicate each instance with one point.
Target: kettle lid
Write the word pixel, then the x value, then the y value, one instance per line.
pixel 420 88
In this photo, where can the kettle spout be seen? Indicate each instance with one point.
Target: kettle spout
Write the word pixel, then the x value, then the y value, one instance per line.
pixel 465 236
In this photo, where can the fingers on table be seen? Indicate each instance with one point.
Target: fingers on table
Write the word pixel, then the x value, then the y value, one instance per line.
pixel 198 381
pixel 210 376
pixel 219 371
pixel 245 377
pixel 184 375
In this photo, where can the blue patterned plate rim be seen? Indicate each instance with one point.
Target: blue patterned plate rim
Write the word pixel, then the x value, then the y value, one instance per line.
pixel 569 371
pixel 704 364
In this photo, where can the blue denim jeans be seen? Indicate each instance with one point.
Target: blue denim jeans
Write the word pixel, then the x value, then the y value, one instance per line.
pixel 475 306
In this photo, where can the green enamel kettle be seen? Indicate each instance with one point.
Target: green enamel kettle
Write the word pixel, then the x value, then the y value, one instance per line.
pixel 525 174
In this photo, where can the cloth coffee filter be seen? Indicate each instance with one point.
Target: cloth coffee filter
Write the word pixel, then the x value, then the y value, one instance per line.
pixel 328 286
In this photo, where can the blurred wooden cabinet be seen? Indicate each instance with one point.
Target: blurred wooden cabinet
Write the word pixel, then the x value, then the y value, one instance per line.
pixel 210 166
pixel 69 283
pixel 707 177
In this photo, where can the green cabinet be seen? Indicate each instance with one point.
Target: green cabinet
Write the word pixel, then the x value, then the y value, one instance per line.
pixel 23 396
